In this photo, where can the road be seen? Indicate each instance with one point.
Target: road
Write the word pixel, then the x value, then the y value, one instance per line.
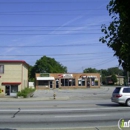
pixel 61 114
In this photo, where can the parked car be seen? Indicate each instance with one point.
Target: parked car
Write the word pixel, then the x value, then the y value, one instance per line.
pixel 121 95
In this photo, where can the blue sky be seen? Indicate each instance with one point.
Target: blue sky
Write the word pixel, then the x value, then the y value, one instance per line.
pixel 67 30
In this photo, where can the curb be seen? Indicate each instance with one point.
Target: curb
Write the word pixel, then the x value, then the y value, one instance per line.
pixel 34 99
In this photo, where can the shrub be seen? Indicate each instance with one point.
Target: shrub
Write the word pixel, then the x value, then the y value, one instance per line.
pixel 25 92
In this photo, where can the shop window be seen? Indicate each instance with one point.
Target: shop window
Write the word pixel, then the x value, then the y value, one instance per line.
pixel 94 81
pixel 14 88
pixel 81 82
pixel 43 82
pixel 1 69
pixel 67 82
pixel 57 83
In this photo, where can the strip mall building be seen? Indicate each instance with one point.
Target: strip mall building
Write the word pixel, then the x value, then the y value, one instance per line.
pixel 69 80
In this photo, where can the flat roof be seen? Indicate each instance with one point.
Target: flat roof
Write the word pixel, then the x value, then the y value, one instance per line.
pixel 14 61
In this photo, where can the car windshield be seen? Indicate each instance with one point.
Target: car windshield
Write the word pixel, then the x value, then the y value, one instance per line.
pixel 117 90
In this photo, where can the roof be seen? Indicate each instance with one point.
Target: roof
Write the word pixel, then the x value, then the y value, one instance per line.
pixel 14 61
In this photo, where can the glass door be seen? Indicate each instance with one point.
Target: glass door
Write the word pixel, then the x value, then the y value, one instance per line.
pixel 7 89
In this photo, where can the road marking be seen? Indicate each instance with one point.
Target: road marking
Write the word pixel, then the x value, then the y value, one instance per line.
pixel 78 116
pixel 66 109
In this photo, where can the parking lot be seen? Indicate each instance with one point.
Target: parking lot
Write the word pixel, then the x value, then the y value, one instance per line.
pixel 75 94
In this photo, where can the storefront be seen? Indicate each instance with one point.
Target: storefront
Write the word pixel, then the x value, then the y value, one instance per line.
pixel 73 80
pixel 11 88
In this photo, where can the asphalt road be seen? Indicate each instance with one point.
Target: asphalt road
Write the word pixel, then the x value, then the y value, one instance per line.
pixel 61 114
pixel 93 111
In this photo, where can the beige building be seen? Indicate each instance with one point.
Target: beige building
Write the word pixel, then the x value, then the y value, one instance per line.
pixel 69 80
pixel 13 77
pixel 120 80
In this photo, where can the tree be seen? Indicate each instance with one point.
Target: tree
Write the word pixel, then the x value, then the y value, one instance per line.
pixel 117 34
pixel 30 77
pixel 114 78
pixel 115 70
pixel 90 70
pixel 47 65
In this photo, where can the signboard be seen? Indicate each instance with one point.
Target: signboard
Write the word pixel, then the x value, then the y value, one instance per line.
pixel 44 75
pixel 67 75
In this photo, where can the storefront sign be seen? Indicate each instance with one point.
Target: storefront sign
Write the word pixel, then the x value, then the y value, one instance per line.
pixel 67 75
pixel 44 75
pixel 92 76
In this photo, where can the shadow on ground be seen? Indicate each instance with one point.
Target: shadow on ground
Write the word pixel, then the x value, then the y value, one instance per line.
pixel 7 129
pixel 111 105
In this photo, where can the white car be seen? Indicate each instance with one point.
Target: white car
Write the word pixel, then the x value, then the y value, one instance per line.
pixel 121 95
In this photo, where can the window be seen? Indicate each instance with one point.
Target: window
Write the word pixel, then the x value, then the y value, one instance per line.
pixel 14 88
pixel 81 82
pixel 126 90
pixel 1 69
pixel 43 82
pixel 67 82
pixel 117 90
pixel 94 81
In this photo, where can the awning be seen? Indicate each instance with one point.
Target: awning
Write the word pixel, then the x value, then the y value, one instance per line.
pixel 45 78
pixel 11 83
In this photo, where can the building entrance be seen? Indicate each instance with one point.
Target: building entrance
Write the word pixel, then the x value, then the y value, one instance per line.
pixel 7 89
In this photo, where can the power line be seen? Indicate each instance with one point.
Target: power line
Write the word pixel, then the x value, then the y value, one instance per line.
pixel 48 30
pixel 23 11
pixel 65 45
pixel 28 26
pixel 48 14
pixel 57 54
pixel 49 34
pixel 64 2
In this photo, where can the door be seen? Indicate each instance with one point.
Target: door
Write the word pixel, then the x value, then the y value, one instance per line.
pixel 88 82
pixel 50 84
pixel 7 89
pixel 57 83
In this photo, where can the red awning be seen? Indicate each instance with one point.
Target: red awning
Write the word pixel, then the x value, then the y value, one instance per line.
pixel 11 83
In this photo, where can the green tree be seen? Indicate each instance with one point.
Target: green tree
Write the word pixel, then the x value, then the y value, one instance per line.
pixel 115 70
pixel 30 77
pixel 47 65
pixel 117 34
pixel 114 78
pixel 90 70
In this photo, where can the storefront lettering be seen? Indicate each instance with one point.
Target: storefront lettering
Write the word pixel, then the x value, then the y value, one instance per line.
pixel 67 75
pixel 44 75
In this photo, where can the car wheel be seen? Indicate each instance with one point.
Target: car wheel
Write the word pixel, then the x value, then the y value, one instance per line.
pixel 128 102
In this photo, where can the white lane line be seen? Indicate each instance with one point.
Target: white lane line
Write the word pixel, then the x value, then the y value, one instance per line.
pixel 79 116
pixel 67 109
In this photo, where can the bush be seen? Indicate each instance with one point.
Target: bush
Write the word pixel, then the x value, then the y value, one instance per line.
pixel 26 92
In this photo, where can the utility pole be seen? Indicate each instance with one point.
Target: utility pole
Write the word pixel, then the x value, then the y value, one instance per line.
pixel 101 77
pixel 128 77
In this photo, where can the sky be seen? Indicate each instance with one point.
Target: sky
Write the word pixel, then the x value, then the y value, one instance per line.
pixel 66 30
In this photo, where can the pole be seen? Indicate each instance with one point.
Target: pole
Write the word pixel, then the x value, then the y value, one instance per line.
pixel 128 78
